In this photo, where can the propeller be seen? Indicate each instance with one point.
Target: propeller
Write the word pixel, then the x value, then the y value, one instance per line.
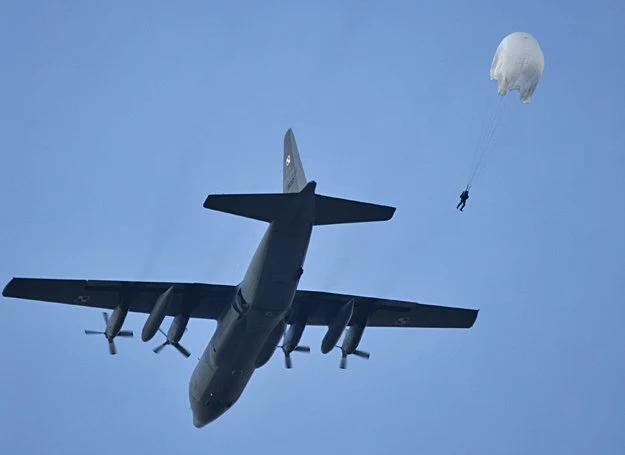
pixel 287 354
pixel 110 339
pixel 180 348
pixel 357 353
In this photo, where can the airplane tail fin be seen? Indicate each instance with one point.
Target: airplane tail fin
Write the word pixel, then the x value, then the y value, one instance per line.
pixel 268 207
pixel 293 177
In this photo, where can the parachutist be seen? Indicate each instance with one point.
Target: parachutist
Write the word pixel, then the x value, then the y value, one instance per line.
pixel 517 65
pixel 463 199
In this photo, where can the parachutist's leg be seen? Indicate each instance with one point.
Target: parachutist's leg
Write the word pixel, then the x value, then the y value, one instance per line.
pixel 458 206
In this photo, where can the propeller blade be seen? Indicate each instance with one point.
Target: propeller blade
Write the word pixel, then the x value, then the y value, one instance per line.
pixel 301 349
pixel 343 364
pixel 161 330
pixel 362 354
pixel 287 361
pixel 106 318
pixel 160 347
pixel 112 348
pixel 125 333
pixel 182 350
pixel 93 332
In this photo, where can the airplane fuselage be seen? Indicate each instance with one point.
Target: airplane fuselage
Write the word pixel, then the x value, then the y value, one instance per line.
pixel 250 329
pixel 252 316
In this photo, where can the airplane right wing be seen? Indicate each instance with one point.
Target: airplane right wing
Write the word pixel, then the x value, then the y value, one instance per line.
pixel 319 308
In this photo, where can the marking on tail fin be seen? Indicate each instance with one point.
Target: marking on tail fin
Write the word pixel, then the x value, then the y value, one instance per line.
pixel 294 179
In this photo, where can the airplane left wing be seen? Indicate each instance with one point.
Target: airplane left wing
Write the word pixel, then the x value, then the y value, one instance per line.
pixel 204 301
pixel 319 308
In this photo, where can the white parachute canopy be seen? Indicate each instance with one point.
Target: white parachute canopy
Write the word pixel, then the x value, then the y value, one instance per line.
pixel 518 65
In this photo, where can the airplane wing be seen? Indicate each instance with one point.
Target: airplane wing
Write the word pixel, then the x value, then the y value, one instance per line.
pixel 204 301
pixel 319 308
pixel 207 301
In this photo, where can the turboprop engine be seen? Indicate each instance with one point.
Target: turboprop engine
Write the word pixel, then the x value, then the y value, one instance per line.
pixel 113 326
pixel 174 334
pixel 350 343
pixel 291 340
pixel 337 326
pixel 155 319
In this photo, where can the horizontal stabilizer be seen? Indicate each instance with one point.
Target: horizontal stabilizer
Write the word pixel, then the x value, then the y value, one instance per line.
pixel 268 206
pixel 262 207
pixel 332 210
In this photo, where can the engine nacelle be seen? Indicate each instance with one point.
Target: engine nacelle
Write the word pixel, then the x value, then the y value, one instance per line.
pixel 336 328
pixel 177 328
pixel 155 319
pixel 293 336
pixel 270 345
pixel 352 338
pixel 116 321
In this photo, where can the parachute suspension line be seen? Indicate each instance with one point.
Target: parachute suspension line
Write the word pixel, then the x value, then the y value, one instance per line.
pixel 489 139
pixel 483 150
pixel 487 120
pixel 477 165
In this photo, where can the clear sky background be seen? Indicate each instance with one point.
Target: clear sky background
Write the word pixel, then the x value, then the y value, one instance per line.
pixel 118 118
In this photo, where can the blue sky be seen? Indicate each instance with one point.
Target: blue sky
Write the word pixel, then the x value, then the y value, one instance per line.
pixel 118 119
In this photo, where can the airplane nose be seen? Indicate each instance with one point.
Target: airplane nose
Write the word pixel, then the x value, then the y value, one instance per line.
pixel 206 414
pixel 198 423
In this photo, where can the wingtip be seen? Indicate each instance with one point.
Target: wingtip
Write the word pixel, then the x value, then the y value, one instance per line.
pixel 389 213
pixel 7 288
pixel 475 314
pixel 209 201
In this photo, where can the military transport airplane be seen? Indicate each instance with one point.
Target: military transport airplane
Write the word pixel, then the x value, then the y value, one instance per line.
pixel 253 315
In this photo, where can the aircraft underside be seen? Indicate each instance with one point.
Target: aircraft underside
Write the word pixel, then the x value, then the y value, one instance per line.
pixel 250 330
pixel 264 307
